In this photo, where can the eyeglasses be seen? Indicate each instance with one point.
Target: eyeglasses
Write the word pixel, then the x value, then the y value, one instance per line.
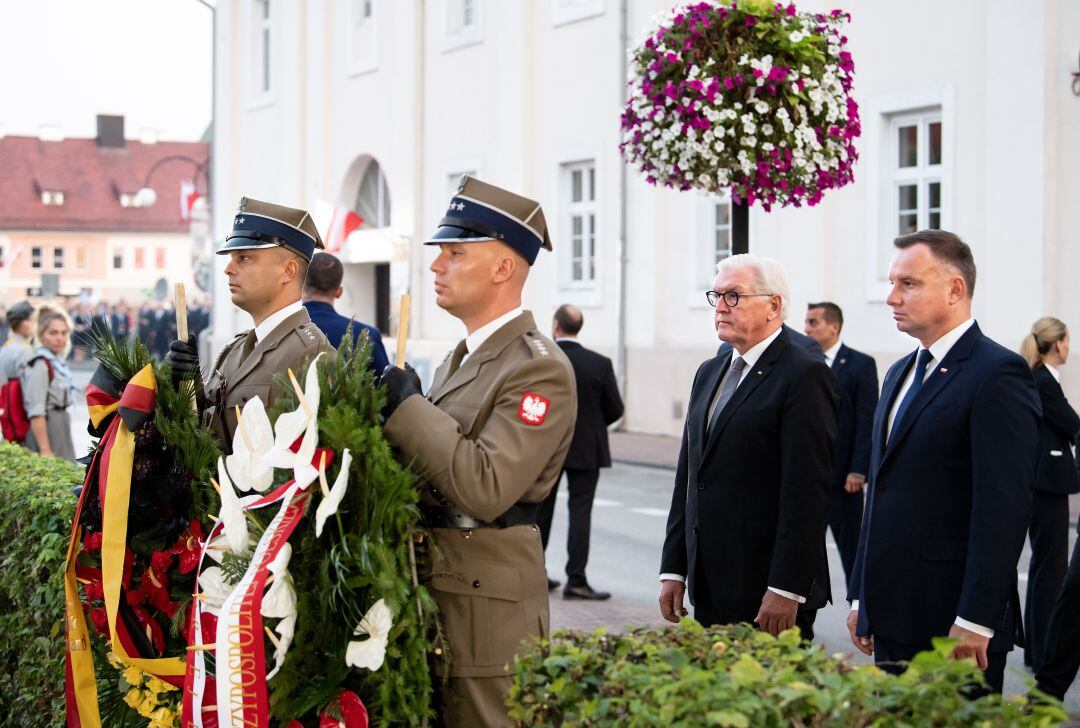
pixel 731 298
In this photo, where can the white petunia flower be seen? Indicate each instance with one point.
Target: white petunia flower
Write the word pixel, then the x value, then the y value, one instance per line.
pixel 232 513
pixel 253 440
pixel 328 506
pixel 371 652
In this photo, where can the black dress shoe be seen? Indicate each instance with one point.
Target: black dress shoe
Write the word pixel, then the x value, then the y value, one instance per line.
pixel 553 584
pixel 584 592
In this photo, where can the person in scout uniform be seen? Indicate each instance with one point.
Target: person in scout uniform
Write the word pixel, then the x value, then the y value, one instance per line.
pixel 269 248
pixel 489 441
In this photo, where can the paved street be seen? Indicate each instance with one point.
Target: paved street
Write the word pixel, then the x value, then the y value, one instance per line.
pixel 628 531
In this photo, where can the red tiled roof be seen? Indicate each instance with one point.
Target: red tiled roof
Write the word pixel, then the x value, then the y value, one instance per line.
pixel 90 178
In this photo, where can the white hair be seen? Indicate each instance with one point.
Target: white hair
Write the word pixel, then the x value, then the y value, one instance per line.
pixel 769 274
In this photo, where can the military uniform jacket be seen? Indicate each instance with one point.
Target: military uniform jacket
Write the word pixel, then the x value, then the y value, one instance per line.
pixel 494 433
pixel 236 378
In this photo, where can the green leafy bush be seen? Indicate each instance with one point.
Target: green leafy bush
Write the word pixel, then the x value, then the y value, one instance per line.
pixel 35 522
pixel 738 676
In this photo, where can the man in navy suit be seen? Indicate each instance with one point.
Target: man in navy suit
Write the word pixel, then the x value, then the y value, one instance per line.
pixel 857 375
pixel 599 405
pixel 746 529
pixel 952 471
pixel 321 288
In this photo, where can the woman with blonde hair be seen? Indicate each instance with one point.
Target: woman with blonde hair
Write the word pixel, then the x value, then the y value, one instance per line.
pixel 1046 348
pixel 47 387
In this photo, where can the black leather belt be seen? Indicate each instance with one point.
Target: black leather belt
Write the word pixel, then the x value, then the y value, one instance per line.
pixel 519 514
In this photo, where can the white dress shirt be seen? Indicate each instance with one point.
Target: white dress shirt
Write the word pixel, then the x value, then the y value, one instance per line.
pixel 477 338
pixel 938 350
pixel 1053 372
pixel 830 355
pixel 751 358
pixel 271 322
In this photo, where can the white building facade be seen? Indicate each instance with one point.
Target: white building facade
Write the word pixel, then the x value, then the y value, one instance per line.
pixel 970 123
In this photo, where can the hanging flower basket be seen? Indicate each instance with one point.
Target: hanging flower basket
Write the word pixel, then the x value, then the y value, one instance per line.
pixel 746 96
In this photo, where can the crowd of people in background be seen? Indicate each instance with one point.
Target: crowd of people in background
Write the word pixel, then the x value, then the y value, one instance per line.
pixel 152 322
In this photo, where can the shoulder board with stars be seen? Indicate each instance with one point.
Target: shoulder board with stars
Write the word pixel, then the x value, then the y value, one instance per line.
pixel 541 348
pixel 306 331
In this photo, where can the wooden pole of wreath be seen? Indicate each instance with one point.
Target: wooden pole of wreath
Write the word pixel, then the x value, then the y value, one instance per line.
pixel 181 313
pixel 402 340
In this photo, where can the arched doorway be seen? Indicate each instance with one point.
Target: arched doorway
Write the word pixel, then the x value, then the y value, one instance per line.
pixel 366 191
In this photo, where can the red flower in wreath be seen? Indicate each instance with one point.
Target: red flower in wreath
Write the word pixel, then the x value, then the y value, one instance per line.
pixel 352 710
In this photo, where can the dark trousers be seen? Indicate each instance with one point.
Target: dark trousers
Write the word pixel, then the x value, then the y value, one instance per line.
pixel 708 614
pixel 581 487
pixel 1062 657
pixel 844 512
pixel 889 656
pixel 1049 533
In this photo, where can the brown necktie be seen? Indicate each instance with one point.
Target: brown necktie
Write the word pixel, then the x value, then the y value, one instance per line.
pixel 249 344
pixel 456 357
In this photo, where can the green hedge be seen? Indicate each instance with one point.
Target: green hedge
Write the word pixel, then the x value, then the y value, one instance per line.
pixel 36 507
pixel 740 677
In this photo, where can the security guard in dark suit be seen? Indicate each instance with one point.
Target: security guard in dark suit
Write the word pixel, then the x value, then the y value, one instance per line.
pixel 489 444
pixel 270 248
pixel 322 288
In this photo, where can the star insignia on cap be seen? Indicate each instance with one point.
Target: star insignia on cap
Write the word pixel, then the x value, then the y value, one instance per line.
pixel 239 221
pixel 459 206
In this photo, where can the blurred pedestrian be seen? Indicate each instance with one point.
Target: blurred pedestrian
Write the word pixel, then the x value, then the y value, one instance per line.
pixel 321 289
pixel 48 387
pixel 599 405
pixel 1046 348
pixel 856 374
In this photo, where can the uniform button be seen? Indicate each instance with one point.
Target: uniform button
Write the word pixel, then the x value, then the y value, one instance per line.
pixel 695 529
pixel 476 584
pixel 701 486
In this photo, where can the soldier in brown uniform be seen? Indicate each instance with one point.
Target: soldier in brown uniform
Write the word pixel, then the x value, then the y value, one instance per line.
pixel 489 442
pixel 269 249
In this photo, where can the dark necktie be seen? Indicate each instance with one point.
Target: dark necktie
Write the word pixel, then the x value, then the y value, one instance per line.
pixel 916 384
pixel 727 389
pixel 249 343
pixel 456 357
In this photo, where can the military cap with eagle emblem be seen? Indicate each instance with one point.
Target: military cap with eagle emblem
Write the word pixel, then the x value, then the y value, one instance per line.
pixel 481 212
pixel 260 224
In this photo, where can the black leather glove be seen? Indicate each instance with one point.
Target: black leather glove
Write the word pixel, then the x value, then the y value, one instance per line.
pixel 400 385
pixel 183 357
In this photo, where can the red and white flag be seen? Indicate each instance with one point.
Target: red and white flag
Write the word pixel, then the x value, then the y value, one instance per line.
pixel 335 223
pixel 188 198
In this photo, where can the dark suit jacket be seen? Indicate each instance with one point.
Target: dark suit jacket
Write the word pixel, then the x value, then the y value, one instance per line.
pixel 795 337
pixel 333 325
pixel 599 404
pixel 750 497
pixel 949 498
pixel 857 375
pixel 1060 424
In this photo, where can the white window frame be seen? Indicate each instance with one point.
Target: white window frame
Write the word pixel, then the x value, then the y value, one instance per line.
pixel 362 38
pixel 40 250
pixel 457 35
pixel 922 175
pixel 58 261
pixel 123 259
pixel 261 37
pixel 701 258
pixel 564 12
pixel 588 210
pixel 879 158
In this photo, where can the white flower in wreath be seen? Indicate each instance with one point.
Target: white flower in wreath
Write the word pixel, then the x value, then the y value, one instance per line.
pixel 371 653
pixel 328 506
pixel 290 425
pixel 253 440
pixel 285 630
pixel 232 513
pixel 279 601
pixel 213 589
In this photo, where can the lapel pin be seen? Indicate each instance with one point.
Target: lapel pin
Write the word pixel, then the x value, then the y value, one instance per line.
pixel 943 370
pixel 843 361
